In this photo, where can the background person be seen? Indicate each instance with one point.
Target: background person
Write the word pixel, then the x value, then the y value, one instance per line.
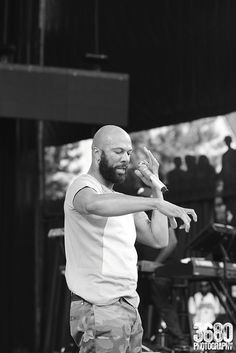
pixel 160 292
pixel 228 175
pixel 204 306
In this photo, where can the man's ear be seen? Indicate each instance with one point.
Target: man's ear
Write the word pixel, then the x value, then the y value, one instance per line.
pixel 97 154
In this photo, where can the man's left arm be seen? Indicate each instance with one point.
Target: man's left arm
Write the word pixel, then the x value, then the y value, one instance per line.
pixel 152 232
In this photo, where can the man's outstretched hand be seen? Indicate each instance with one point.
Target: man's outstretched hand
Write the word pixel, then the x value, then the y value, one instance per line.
pixel 173 211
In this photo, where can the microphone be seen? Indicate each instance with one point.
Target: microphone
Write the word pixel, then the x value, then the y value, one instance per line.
pixel 142 167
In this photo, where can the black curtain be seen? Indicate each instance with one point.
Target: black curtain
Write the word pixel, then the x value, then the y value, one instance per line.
pixel 8 226
pixel 17 200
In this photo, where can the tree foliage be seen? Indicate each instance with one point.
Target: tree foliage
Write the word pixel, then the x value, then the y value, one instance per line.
pixel 193 138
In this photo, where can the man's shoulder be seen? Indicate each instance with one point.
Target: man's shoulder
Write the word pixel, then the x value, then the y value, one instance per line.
pixel 78 183
pixel 84 180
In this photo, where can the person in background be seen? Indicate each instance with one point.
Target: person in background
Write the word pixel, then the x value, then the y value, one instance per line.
pixel 206 177
pixel 161 294
pixel 191 176
pixel 228 175
pixel 176 181
pixel 204 306
pixel 176 176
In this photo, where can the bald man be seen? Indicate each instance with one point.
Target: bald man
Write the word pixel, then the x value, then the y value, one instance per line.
pixel 101 227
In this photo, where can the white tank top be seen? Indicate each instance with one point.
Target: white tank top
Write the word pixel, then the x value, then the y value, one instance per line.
pixel 101 260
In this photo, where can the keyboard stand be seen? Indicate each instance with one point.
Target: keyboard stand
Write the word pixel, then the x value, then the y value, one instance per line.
pixel 220 285
pixel 222 293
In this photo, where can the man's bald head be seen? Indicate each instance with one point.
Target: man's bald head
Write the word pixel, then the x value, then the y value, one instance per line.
pixel 111 148
pixel 109 135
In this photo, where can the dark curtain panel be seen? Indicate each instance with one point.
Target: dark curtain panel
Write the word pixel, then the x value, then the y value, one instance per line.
pixel 19 29
pixel 17 199
pixel 8 226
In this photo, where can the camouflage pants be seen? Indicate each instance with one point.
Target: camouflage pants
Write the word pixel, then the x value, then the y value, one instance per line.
pixel 114 328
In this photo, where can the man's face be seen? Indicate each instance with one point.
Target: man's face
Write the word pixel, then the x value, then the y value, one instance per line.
pixel 114 164
pixel 205 288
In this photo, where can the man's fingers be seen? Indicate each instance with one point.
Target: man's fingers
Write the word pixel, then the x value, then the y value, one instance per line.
pixel 155 160
pixel 192 213
pixel 139 174
pixel 152 159
pixel 174 211
pixel 173 222
pixel 142 177
pixel 148 154
pixel 142 173
pixel 143 162
pixel 186 227
pixel 187 220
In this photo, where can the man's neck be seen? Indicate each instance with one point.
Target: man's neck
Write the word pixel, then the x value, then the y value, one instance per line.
pixel 100 178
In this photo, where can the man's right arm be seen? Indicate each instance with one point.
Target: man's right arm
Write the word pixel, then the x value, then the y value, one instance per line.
pixel 88 201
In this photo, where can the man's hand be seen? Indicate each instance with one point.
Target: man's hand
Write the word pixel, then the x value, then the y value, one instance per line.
pixel 149 266
pixel 168 209
pixel 152 165
pixel 155 265
pixel 173 211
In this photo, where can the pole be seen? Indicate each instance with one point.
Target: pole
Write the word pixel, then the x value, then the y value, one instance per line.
pixel 39 234
pixel 42 26
pixel 5 20
pixel 96 27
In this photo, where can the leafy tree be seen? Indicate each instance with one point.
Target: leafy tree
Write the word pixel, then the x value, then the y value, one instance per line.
pixel 197 137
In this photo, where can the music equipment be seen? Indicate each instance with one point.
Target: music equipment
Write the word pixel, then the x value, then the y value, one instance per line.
pixel 190 268
pixel 212 237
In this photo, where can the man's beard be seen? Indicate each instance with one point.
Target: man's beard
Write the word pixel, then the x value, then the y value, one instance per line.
pixel 110 173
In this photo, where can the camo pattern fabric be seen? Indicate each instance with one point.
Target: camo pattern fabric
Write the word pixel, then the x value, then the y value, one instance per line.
pixel 114 328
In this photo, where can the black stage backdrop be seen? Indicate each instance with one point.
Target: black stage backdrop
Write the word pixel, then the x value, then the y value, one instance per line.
pixel 18 179
pixel 180 56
